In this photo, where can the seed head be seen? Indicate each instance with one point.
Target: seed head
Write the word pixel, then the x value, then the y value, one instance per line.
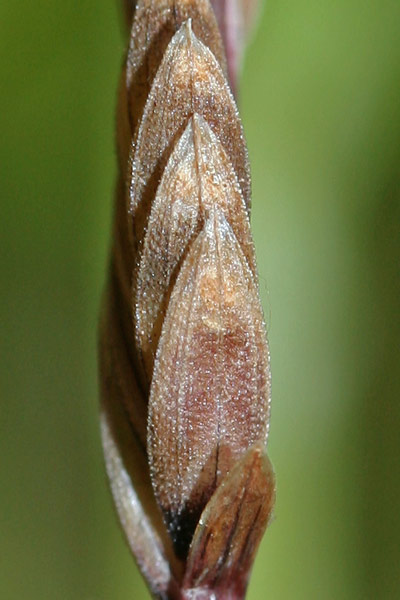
pixel 184 358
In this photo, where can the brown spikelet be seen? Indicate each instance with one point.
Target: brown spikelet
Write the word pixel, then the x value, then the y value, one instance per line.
pixel 189 80
pixel 227 536
pixel 200 420
pixel 184 359
pixel 197 177
pixel 154 24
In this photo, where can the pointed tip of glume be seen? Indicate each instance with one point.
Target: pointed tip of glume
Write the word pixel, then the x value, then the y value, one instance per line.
pixel 186 30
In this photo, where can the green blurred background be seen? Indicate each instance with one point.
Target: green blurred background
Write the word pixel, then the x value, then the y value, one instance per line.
pixel 320 101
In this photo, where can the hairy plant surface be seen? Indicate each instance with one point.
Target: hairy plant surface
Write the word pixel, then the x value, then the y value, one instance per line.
pixel 184 359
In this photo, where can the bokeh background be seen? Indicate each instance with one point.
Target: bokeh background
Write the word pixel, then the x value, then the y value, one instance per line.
pixel 320 101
